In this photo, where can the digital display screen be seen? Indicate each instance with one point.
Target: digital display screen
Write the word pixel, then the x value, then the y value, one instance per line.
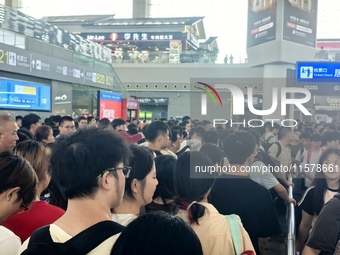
pixel 24 95
pixel 110 105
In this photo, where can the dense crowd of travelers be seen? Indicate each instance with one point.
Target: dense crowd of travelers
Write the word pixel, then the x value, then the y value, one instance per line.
pixel 165 187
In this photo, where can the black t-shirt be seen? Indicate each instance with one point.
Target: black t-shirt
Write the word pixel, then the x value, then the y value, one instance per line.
pixel 252 202
pixel 326 232
pixel 295 148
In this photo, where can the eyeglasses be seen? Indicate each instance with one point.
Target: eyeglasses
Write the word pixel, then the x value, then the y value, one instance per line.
pixel 126 171
pixel 69 127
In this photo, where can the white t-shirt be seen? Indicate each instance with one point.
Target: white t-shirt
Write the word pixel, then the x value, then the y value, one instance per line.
pixel 123 219
pixel 260 173
pixel 9 242
pixel 58 235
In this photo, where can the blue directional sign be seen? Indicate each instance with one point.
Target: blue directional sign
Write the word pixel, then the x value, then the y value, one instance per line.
pixel 318 72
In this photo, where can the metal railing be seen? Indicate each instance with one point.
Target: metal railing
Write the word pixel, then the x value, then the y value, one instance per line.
pixel 290 249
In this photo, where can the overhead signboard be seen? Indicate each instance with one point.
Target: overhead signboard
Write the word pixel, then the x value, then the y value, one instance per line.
pixel 132 36
pixel 19 22
pixel 261 22
pixel 17 60
pixel 300 20
pixel 318 72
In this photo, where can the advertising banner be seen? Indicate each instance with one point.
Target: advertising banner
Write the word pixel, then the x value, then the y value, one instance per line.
pixel 110 105
pixel 300 20
pixel 261 21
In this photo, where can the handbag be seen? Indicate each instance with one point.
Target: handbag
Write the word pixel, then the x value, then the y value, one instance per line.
pixel 236 236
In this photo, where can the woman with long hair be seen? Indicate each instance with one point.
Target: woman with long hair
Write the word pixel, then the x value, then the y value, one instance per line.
pixel 325 185
pixel 140 185
pixel 211 227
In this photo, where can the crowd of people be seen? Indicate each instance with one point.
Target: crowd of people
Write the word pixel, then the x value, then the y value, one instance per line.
pixel 166 187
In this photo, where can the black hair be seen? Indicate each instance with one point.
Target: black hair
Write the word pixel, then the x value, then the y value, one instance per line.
pixel 82 118
pixel 174 136
pixel 117 122
pixel 309 129
pixel 19 117
pixel 165 167
pixel 156 129
pixel 210 136
pixel 141 163
pixel 29 119
pixel 315 137
pixel 157 233
pixel 283 131
pixel 24 135
pixel 42 132
pixel 16 171
pixel 90 118
pixel 330 136
pixel 178 129
pixel 223 135
pixel 199 131
pixel 104 123
pixel 79 158
pixel 256 135
pixel 305 135
pixel 63 119
pixel 186 118
pixel 132 129
pixel 189 189
pixel 213 152
pixel 238 147
pixel 320 181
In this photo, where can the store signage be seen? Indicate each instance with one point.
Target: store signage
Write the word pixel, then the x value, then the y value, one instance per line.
pixel 21 61
pixel 134 36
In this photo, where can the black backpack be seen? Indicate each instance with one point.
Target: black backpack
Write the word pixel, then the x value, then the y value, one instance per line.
pixel 266 144
pixel 41 242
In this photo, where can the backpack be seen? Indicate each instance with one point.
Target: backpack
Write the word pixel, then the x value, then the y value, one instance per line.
pixel 266 144
pixel 279 149
pixel 41 242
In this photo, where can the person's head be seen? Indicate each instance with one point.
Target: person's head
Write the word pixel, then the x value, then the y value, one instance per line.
pixel 90 163
pixel 23 135
pixel 142 181
pixel 198 133
pixel 207 125
pixel 31 122
pixel 304 138
pixel 285 134
pixel 175 144
pixel 186 118
pixel 186 126
pixel 179 131
pixel 189 189
pixel 18 120
pixel 317 128
pixel 132 129
pixel 18 184
pixel 328 171
pixel 82 122
pixel 331 139
pixel 91 121
pixel 38 154
pixel 214 153
pixel 165 166
pixel 274 129
pixel 105 123
pixel 8 133
pixel 211 137
pixel 239 148
pixel 315 140
pixel 119 124
pixel 44 134
pixel 66 125
pixel 296 136
pixel 157 233
pixel 158 133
